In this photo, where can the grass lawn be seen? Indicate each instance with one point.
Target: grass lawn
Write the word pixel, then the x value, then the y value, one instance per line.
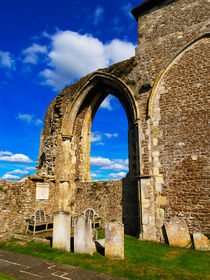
pixel 143 260
pixel 6 277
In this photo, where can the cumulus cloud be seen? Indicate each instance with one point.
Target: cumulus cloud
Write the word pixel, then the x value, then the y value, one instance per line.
pixel 14 157
pixel 118 50
pixel 74 55
pixel 107 164
pixel 10 177
pixel 100 161
pixel 106 104
pixel 33 52
pixel 6 60
pixel 19 172
pixel 116 167
pixel 29 118
pixel 118 175
pixel 98 15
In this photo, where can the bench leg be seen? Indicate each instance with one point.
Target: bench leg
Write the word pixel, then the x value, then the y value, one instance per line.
pixel 27 225
pixel 34 229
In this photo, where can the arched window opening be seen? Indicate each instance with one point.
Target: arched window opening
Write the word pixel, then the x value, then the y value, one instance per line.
pixel 109 141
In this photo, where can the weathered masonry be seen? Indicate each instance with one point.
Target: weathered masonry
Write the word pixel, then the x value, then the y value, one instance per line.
pixel 164 90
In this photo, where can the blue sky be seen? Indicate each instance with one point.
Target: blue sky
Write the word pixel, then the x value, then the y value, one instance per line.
pixel 46 45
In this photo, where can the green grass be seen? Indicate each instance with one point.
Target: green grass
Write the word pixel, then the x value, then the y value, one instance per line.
pixel 6 277
pixel 143 260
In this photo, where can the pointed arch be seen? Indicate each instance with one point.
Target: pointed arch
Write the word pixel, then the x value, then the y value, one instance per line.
pixel 167 66
pixel 92 94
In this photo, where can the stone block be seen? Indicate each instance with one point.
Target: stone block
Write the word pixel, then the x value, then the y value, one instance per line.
pixel 201 242
pixel 83 235
pixel 114 240
pixel 62 230
pixel 178 233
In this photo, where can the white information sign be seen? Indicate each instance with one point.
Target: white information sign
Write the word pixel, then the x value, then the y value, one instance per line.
pixel 42 191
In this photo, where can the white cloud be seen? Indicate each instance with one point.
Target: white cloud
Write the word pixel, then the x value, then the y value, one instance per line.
pixel 122 161
pixel 73 55
pixel 107 164
pixel 29 119
pixel 6 60
pixel 10 177
pixel 30 168
pixel 32 53
pixel 100 161
pixel 98 15
pixel 95 137
pixel 109 135
pixel 38 122
pixel 116 167
pixel 118 50
pixel 18 171
pixel 106 104
pixel 25 117
pixel 93 175
pixel 2 153
pixel 15 158
pixel 118 175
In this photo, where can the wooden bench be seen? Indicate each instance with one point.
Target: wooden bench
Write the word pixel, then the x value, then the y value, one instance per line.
pixel 39 222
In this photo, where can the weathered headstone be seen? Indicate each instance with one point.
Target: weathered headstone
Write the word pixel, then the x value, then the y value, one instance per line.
pixel 201 242
pixel 83 235
pixel 114 240
pixel 178 233
pixel 62 230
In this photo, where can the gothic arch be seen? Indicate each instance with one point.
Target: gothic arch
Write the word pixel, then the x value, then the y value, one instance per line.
pixel 79 116
pixel 175 58
pixel 95 84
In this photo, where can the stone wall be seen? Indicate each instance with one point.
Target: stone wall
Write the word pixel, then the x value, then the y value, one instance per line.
pixel 105 197
pixel 112 200
pixel 180 122
pixel 18 202
pixel 164 91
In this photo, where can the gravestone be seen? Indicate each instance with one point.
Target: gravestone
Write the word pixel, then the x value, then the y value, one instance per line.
pixel 201 242
pixel 178 233
pixel 83 235
pixel 62 230
pixel 114 240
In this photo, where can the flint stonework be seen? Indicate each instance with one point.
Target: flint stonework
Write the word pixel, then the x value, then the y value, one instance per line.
pixel 62 231
pixel 164 92
pixel 114 240
pixel 83 235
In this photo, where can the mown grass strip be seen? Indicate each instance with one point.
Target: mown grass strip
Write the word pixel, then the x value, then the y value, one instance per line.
pixel 7 277
pixel 143 260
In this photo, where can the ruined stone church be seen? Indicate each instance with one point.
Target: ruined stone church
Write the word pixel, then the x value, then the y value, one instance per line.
pixel 164 91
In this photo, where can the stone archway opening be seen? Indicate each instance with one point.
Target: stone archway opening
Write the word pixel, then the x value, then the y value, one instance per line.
pixel 76 149
pixel 109 141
